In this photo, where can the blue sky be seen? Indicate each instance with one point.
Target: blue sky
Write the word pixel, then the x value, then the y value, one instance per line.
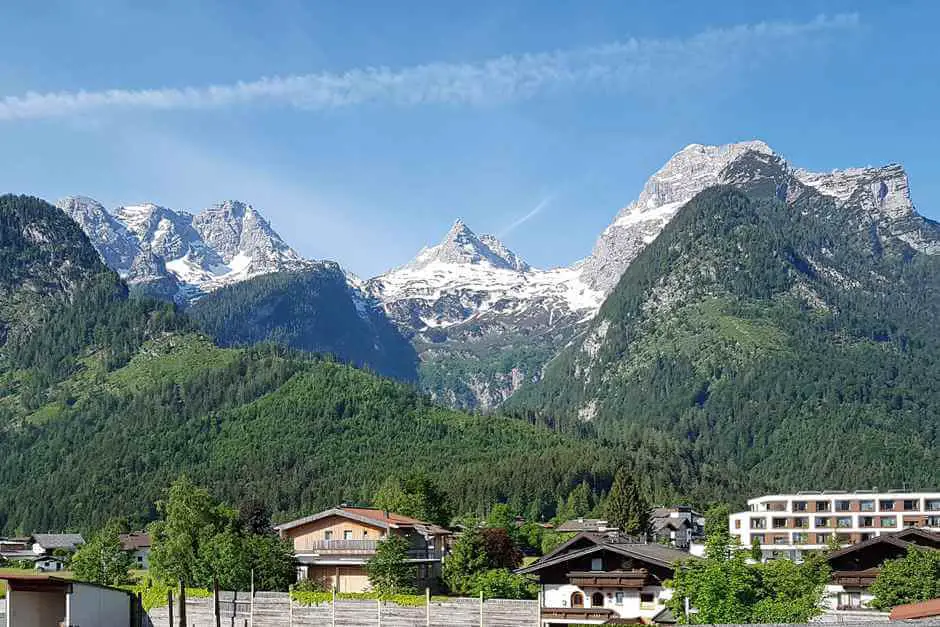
pixel 363 129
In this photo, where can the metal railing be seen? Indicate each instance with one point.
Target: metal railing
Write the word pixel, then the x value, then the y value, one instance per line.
pixel 360 547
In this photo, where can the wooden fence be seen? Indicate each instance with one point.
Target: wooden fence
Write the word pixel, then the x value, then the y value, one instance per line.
pixel 270 609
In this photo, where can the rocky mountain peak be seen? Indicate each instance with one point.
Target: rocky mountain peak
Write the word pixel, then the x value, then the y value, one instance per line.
pixel 462 246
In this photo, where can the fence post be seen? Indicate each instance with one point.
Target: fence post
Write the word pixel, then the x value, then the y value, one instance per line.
pixel 538 609
pixel 251 606
pixel 169 601
pixel 215 602
pixel 481 608
pixel 378 605
pixel 333 610
pixel 182 598
pixel 290 605
pixel 427 604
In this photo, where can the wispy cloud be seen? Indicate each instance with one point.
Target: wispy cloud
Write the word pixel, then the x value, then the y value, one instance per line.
pixel 626 64
pixel 520 221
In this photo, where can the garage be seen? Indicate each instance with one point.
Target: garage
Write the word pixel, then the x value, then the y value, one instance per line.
pixel 38 601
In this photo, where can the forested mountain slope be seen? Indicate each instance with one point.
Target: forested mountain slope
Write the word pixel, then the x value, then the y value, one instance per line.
pixel 793 345
pixel 104 400
pixel 312 310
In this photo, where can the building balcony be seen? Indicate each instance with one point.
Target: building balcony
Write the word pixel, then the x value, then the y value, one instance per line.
pixel 360 547
pixel 634 579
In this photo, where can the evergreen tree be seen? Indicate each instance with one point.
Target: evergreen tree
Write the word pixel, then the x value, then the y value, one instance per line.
pixel 467 558
pixel 625 508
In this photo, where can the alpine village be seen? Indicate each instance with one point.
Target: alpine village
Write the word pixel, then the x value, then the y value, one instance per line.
pixel 727 412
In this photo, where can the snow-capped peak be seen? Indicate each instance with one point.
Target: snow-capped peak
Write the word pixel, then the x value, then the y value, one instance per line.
pixel 462 246
pixel 228 242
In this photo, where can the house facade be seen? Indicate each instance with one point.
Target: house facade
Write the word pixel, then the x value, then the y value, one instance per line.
pixel 137 543
pixel 597 579
pixel 855 567
pixel 678 526
pixel 786 525
pixel 46 543
pixel 332 547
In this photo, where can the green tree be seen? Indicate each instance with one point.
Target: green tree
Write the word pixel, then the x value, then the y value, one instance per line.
pixel 499 583
pixel 416 496
pixel 389 570
pixel 501 516
pixel 102 560
pixel 912 578
pixel 190 518
pixel 624 507
pixel 724 589
pixel 553 539
pixel 467 558
pixel 579 503
pixel 756 553
pixel 530 536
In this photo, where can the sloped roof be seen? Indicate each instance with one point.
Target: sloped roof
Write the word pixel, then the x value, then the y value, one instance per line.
pixel 655 554
pixel 915 611
pixel 370 516
pixel 901 539
pixel 58 540
pixel 583 524
pixel 135 540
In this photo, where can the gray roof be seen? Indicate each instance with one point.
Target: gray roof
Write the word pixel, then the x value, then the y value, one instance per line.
pixel 58 540
pixel 656 554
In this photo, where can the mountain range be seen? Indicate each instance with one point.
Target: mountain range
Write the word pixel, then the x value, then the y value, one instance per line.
pixel 481 320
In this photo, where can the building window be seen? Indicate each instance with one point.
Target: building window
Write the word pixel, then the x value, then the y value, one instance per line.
pixel 800 538
pixel 889 521
pixel 597 599
pixel 619 597
pixel 866 506
pixel 799 523
pixel 799 506
pixel 844 538
pixel 866 521
pixel 347 534
pixel 865 536
pixel 647 601
pixel 577 599
pixel 822 538
pixel 327 535
pixel 911 505
pixel 933 521
pixel 759 537
pixel 758 523
pixel 821 522
pixel 932 505
pixel 597 563
pixel 737 524
pixel 365 533
pixel 850 600
pixel 844 522
pixel 886 506
pixel 780 523
pixel 842 506
pixel 781 540
pixel 822 506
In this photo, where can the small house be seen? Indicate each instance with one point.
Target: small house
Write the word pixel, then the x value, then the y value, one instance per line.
pixel 137 543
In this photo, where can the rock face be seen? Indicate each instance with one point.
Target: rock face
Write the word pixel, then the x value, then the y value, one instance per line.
pixel 482 320
pixel 179 255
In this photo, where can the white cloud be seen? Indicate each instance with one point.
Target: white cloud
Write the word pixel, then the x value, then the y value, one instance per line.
pixel 520 221
pixel 628 64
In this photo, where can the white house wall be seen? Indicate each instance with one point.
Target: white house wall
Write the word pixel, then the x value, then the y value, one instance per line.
pixel 91 605
pixel 559 596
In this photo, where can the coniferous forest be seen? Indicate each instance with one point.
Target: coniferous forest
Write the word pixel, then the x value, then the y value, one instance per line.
pixel 730 360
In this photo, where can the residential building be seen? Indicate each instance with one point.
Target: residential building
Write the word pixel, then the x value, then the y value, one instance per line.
pixel 679 526
pixel 582 525
pixel 855 567
pixel 46 543
pixel 137 543
pixel 785 525
pixel 48 563
pixel 16 548
pixel 598 579
pixel 333 546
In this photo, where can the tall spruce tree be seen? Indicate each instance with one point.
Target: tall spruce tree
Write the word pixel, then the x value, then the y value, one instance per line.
pixel 625 507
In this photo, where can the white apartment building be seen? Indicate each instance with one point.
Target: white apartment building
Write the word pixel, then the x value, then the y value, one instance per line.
pixel 785 525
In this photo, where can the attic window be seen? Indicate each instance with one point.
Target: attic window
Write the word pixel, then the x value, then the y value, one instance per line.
pixel 597 563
